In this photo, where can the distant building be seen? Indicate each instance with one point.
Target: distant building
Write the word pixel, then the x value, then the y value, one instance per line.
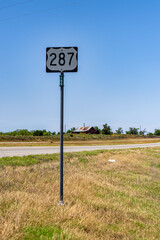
pixel 85 130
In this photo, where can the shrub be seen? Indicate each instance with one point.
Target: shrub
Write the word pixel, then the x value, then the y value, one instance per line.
pixel 71 130
pixel 106 129
pixel 119 131
pixel 157 132
pixel 38 133
pixel 132 131
pixel 150 134
pixel 98 130
pixel 142 132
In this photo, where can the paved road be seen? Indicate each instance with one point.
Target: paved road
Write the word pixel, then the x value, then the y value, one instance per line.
pixel 24 151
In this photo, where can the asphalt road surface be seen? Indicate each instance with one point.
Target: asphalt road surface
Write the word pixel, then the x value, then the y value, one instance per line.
pixel 24 151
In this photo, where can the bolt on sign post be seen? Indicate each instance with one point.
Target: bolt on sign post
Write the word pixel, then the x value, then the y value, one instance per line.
pixel 61 59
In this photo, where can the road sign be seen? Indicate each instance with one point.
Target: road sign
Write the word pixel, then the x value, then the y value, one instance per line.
pixel 62 59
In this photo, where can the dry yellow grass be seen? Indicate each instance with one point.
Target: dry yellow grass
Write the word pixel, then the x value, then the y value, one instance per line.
pixel 84 142
pixel 103 200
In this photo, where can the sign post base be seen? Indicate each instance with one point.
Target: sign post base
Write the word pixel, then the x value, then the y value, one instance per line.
pixel 61 203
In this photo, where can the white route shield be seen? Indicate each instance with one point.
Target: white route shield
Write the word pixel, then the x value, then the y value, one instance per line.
pixel 62 59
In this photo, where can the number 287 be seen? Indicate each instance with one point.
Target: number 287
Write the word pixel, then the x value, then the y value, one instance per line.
pixel 61 58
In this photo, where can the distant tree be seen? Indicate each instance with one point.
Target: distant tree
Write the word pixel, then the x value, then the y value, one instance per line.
pixel 24 132
pixel 106 129
pixel 157 132
pixel 132 131
pixel 71 130
pixel 14 133
pixel 53 133
pixel 98 130
pixel 150 134
pixel 31 132
pixel 45 133
pixel 19 132
pixel 142 132
pixel 38 133
pixel 119 130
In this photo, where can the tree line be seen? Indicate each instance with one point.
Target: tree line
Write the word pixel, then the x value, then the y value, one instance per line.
pixel 132 131
pixel 26 132
pixel 106 130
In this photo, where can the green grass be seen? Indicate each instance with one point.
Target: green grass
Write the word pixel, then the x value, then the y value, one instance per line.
pixel 80 156
pixel 27 160
pixel 37 159
pixel 44 233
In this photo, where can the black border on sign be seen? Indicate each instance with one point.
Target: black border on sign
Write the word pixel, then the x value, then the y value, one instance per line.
pixel 74 70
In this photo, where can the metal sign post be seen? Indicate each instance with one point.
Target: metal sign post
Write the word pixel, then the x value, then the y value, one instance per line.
pixel 61 59
pixel 61 139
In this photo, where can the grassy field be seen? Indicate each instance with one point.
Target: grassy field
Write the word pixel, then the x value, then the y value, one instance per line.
pixel 103 200
pixel 75 140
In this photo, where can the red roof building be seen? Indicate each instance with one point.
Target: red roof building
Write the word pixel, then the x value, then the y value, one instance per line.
pixel 85 130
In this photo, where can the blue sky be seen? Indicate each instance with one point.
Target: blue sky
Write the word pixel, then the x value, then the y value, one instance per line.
pixel 118 81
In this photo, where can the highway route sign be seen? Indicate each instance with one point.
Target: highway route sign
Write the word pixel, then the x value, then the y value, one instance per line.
pixel 61 59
